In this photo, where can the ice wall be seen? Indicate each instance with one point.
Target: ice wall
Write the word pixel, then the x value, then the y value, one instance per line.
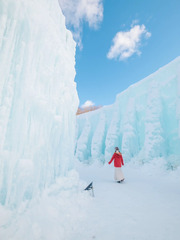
pixel 144 122
pixel 38 98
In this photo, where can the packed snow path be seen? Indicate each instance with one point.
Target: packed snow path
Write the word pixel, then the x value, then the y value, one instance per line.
pixel 145 207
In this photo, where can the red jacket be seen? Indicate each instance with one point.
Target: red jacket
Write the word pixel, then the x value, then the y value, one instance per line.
pixel 118 160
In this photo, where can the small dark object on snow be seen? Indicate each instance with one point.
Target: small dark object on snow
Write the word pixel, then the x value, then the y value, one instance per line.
pixel 120 181
pixel 90 187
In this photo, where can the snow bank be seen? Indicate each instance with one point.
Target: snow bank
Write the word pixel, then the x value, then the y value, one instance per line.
pixel 56 214
pixel 144 122
pixel 38 98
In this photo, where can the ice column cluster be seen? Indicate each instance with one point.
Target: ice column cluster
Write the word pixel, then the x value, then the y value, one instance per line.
pixel 144 122
pixel 38 98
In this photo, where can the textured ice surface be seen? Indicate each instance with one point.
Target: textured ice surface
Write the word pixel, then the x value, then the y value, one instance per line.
pixel 144 122
pixel 38 98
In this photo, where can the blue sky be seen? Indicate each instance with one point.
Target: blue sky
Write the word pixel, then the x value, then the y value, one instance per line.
pixel 142 35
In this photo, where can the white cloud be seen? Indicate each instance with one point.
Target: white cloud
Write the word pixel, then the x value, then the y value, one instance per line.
pixel 77 11
pixel 88 103
pixel 125 44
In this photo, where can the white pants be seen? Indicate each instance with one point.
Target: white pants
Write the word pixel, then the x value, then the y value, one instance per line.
pixel 118 174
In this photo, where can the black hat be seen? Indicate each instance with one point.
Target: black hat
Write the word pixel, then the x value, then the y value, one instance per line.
pixel 116 149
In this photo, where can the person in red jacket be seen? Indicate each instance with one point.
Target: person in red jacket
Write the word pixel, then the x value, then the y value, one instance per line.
pixel 118 162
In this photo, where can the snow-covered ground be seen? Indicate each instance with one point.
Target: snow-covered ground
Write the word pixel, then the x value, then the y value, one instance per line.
pixel 56 214
pixel 145 207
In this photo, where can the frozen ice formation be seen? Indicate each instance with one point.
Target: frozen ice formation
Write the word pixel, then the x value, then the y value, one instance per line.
pixel 144 122
pixel 38 98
